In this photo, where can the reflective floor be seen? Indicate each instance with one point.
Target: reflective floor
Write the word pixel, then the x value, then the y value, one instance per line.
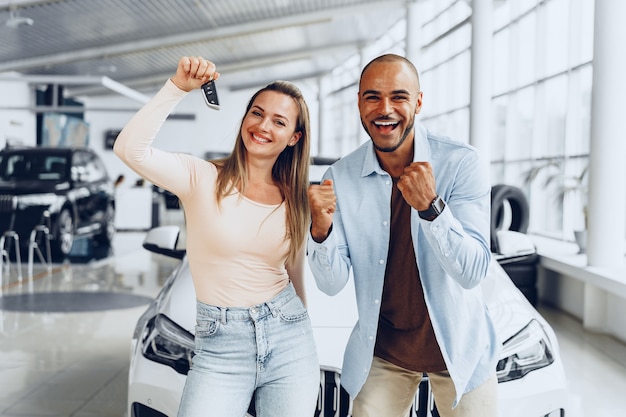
pixel 68 354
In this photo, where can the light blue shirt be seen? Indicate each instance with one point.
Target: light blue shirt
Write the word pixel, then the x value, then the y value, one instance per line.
pixel 452 252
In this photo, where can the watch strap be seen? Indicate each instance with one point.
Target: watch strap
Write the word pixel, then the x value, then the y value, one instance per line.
pixel 435 208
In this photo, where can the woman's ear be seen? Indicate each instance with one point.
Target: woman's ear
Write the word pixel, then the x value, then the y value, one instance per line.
pixel 295 138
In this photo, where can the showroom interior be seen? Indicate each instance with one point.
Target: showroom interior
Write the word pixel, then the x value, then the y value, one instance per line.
pixel 536 86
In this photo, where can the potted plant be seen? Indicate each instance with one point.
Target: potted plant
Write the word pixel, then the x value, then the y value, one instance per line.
pixel 564 185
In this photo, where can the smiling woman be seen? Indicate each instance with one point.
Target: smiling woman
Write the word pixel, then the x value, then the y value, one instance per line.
pixel 247 217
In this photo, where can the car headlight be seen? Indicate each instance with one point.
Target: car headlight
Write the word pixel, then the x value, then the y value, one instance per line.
pixel 526 351
pixel 150 312
pixel 166 342
pixel 31 200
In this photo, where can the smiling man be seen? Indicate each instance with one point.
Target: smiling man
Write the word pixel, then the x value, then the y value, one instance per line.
pixel 408 214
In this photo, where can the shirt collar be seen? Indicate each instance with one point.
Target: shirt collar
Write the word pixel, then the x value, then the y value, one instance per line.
pixel 421 153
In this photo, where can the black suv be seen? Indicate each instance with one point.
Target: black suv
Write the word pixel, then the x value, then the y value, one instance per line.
pixel 66 189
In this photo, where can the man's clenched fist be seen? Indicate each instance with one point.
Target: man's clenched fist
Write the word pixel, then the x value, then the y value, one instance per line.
pixel 417 185
pixel 323 202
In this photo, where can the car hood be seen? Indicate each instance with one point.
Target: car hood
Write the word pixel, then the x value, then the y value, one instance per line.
pixel 509 309
pixel 333 317
pixel 30 187
pixel 178 302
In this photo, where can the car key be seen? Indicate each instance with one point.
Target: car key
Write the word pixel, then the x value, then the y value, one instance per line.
pixel 210 95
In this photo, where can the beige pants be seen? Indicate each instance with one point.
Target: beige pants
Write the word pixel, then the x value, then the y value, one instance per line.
pixel 389 391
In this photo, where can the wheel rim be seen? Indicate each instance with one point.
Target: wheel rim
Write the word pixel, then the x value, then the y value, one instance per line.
pixel 66 232
pixel 110 223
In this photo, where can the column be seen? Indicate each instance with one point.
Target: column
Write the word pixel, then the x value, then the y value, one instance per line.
pixel 607 171
pixel 413 31
pixel 481 81
pixel 321 93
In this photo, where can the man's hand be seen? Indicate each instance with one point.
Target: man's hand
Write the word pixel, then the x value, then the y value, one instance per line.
pixel 193 71
pixel 417 185
pixel 323 202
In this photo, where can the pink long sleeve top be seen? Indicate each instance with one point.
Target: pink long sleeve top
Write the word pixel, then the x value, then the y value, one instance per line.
pixel 237 250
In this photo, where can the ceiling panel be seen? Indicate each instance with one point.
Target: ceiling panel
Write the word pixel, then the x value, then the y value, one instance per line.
pixel 138 42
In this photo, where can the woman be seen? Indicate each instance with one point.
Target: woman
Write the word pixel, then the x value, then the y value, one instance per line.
pixel 246 217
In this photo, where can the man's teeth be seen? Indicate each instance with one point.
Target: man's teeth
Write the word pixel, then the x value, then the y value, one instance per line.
pixel 385 123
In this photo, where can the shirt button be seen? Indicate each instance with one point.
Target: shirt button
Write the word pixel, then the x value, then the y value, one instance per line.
pixel 385 223
pixel 371 337
pixel 253 310
pixel 381 261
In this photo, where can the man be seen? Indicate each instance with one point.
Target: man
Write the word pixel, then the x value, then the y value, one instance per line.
pixel 408 213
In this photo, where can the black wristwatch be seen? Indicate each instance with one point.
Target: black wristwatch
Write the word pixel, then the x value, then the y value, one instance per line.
pixel 436 207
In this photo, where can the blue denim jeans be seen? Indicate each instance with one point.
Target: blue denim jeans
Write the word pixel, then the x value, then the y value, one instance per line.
pixel 266 351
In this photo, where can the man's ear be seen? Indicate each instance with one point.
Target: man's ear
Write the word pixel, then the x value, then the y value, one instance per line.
pixel 418 105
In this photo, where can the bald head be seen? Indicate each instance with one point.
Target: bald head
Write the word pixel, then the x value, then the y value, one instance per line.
pixel 392 58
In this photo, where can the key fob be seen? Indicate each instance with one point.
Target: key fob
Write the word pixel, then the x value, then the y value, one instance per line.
pixel 210 95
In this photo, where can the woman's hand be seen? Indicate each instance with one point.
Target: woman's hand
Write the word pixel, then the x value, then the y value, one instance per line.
pixel 193 71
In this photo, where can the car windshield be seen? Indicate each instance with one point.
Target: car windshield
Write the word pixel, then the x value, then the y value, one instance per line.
pixel 23 167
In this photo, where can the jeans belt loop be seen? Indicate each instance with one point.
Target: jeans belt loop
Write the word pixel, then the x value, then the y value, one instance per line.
pixel 272 308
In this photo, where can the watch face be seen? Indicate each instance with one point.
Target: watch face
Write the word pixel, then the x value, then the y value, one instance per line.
pixel 438 205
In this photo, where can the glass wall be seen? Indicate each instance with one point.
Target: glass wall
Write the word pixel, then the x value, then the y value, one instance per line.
pixel 542 52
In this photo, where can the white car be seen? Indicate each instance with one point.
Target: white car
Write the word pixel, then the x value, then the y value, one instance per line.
pixel 531 378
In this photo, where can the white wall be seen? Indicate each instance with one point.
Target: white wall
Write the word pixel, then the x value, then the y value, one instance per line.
pixel 16 126
pixel 564 292
pixel 567 293
pixel 210 131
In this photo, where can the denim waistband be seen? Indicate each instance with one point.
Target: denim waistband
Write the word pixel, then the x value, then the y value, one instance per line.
pixel 271 307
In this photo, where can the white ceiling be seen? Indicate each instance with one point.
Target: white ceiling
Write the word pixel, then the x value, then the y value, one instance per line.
pixel 138 42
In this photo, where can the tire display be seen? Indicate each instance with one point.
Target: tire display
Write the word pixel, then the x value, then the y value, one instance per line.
pixel 502 197
pixel 510 211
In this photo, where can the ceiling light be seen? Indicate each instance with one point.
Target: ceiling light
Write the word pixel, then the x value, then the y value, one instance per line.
pixel 15 20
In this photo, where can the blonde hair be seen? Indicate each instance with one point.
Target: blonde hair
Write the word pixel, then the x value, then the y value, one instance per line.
pixel 290 171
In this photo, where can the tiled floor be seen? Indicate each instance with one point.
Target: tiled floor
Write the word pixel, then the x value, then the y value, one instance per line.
pixel 595 366
pixel 75 364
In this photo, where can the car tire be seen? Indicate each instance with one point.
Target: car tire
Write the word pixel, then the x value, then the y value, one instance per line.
pixel 63 236
pixel 105 237
pixel 520 214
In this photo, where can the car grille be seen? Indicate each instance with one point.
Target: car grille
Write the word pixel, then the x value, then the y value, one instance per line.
pixel 334 401
pixel 424 404
pixel 7 203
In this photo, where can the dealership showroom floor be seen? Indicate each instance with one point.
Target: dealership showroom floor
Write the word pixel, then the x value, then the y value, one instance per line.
pixel 65 337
